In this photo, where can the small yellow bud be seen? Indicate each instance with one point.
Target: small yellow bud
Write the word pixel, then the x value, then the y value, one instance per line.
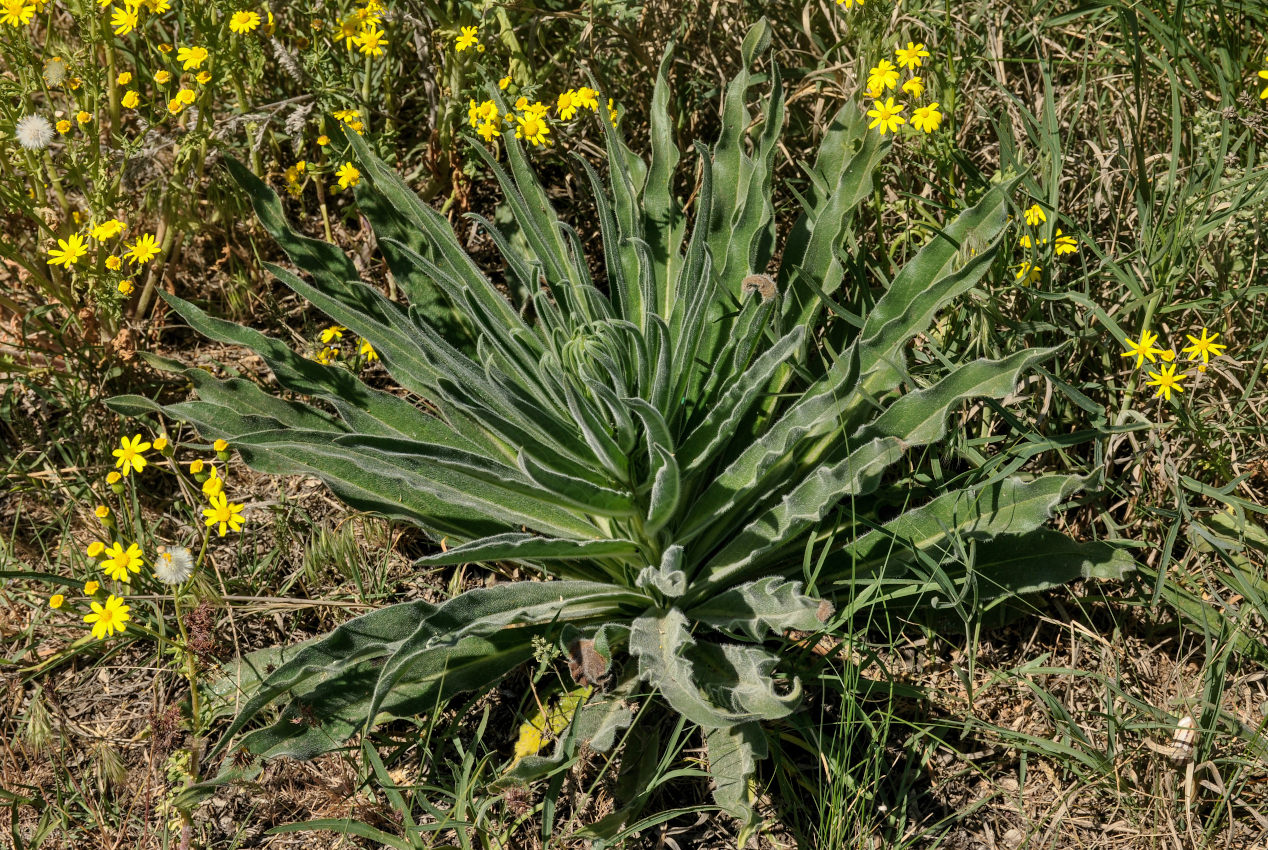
pixel 95 548
pixel 90 588
pixel 56 600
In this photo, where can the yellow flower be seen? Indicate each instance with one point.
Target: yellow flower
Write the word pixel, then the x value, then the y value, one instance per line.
pixel 1166 382
pixel 533 128
pixel 914 87
pixel 477 112
pixel 125 287
pixel 567 105
pixel 468 38
pixel 196 466
pixel 1263 75
pixel 163 46
pixel 129 456
pixel 68 252
pixel 323 140
pixel 101 511
pixel 371 40
pixel 119 561
pixel 1027 273
pixel 332 333
pixel 367 351
pixel 214 484
pixel 192 57
pixel 243 22
pixel 56 600
pixel 143 250
pixel 186 96
pixel 886 115
pixel 83 117
pixel 162 77
pixel 108 619
pixel 175 105
pixel 95 548
pixel 124 20
pixel 1206 346
pixel 107 229
pixel 16 12
pixel 588 98
pixel 614 114
pixel 326 355
pixel 113 478
pixel 203 78
pixel 90 588
pixel 1034 215
pixel 1065 244
pixel 348 175
pixel 223 445
pixel 488 130
pixel 124 78
pixel 1144 349
pixel 160 443
pixel 504 82
pixel 910 56
pixel 927 118
pixel 224 513
pixel 63 126
pixel 849 4
pixel 130 100
pixel 883 76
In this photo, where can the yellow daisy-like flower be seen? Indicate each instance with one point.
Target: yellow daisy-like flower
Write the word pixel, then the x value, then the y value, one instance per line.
pixel 124 20
pixel 192 58
pixel 1034 215
pixel 1144 349
pixel 367 351
pixel 1166 382
pixel 1065 244
pixel 95 548
pixel 533 128
pixel 125 287
pixel 883 76
pixel 130 100
pixel 243 22
pixel 849 4
pixel 504 82
pixel 68 251
pixel 124 78
pixel 196 466
pixel 186 96
pixel 119 561
pixel 488 131
pixel 348 175
pixel 56 600
pixel 567 105
pixel 371 40
pixel 102 511
pixel 160 443
pixel 63 126
pixel 1028 273
pixel 588 98
pixel 911 55
pixel 221 446
pixel 927 118
pixel 914 87
pixel 90 588
pixel 16 12
pixel 83 117
pixel 1206 347
pixel 323 140
pixel 1263 75
pixel 107 229
pixel 887 116
pixel 203 78
pixel 109 618
pixel 129 455
pixel 162 77
pixel 468 37
pixel 214 484
pixel 113 478
pixel 143 250
pixel 224 513
pixel 175 105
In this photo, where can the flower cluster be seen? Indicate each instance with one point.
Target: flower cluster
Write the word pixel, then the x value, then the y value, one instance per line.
pixel 119 557
pixel 332 343
pixel 1034 216
pixel 1201 348
pixel 887 115
pixel 103 235
pixel 361 30
pixel 531 120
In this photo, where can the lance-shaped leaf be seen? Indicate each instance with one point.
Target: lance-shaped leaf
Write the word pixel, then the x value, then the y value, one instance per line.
pixel 514 546
pixel 733 756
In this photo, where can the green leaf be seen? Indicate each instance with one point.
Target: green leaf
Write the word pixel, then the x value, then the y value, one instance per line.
pixel 733 755
pixel 770 605
pixel 527 547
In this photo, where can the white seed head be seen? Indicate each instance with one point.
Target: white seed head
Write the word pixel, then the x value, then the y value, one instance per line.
pixel 33 132
pixel 55 71
pixel 173 565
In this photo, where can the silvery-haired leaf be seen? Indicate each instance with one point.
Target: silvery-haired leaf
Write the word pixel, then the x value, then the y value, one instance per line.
pixel 668 577
pixel 660 640
pixel 770 605
pixel 740 678
pixel 733 755
pixel 515 546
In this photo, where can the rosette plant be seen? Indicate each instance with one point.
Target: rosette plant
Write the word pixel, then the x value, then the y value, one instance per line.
pixel 665 448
